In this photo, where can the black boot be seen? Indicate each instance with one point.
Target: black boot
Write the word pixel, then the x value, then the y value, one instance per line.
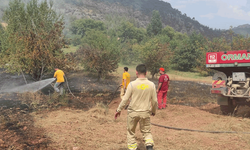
pixel 149 147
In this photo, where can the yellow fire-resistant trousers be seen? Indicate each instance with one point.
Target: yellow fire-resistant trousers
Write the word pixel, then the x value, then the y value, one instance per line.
pixel 144 121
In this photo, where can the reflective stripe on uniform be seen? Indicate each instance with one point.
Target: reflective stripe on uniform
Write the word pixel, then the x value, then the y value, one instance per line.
pixel 149 141
pixel 133 146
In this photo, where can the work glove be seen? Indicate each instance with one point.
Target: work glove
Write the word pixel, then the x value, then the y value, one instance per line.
pixel 117 114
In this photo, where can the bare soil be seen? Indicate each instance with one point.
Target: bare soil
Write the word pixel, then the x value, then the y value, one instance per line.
pixel 85 122
pixel 97 129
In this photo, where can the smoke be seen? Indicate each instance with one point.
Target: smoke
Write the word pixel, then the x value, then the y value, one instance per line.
pixel 32 87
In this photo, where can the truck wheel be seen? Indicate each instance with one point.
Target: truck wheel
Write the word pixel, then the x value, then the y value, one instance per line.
pixel 228 109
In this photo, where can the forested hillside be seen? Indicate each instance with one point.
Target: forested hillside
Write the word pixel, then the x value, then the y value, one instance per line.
pixel 242 30
pixel 106 33
pixel 140 11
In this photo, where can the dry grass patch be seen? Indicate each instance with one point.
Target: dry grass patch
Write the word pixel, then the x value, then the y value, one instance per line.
pixel 97 129
pixel 83 129
pixel 193 118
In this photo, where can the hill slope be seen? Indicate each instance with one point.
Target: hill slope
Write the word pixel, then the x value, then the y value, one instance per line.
pixel 242 30
pixel 139 10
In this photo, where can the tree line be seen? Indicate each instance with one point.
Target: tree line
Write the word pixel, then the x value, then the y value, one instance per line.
pixel 33 40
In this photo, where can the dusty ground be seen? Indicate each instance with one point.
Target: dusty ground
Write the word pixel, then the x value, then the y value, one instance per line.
pixel 37 121
pixel 79 128
pixel 97 129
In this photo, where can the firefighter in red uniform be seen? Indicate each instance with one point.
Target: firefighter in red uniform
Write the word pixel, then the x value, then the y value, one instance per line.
pixel 162 89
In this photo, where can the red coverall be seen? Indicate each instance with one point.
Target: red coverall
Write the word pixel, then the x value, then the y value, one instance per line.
pixel 162 93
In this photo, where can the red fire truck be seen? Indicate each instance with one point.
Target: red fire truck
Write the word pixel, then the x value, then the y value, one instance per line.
pixel 231 82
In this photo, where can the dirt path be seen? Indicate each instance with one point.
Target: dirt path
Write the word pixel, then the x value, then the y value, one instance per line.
pixel 96 129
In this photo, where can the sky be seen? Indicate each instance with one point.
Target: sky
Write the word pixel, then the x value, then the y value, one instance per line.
pixel 216 14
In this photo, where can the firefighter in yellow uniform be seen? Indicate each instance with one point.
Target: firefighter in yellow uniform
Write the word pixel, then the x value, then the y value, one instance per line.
pixel 59 75
pixel 143 104
pixel 125 81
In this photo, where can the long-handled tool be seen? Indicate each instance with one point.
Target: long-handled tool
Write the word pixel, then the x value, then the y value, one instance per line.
pixel 113 95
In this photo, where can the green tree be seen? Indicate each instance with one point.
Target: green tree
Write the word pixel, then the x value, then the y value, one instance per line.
pixel 127 53
pixel 128 32
pixel 180 36
pixel 169 31
pixel 163 38
pixel 140 34
pixel 185 56
pixel 100 53
pixel 113 23
pixel 1 36
pixel 176 40
pixel 81 26
pixel 154 55
pixel 155 25
pixel 240 43
pixel 33 38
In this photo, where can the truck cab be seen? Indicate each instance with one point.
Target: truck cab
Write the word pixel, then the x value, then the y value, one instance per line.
pixel 231 80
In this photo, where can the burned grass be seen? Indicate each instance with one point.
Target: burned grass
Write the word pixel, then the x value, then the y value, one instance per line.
pixel 97 129
pixel 190 93
pixel 17 130
pixel 17 123
pixel 78 129
pixel 85 122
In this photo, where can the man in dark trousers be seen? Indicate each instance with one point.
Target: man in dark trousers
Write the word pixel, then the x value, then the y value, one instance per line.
pixel 143 104
pixel 162 89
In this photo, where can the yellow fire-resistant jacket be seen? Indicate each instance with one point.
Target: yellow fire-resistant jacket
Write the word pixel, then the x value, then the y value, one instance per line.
pixel 59 75
pixel 143 96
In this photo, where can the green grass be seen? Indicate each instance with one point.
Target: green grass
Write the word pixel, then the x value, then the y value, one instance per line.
pixel 173 74
pixel 131 71
pixel 194 75
pixel 70 49
pixel 189 76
